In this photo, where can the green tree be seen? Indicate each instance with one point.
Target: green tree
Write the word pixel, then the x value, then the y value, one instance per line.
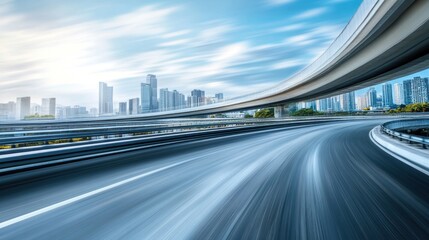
pixel 306 112
pixel 247 115
pixel 265 113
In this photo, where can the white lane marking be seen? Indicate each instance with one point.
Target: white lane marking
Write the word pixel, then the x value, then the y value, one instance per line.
pixel 83 196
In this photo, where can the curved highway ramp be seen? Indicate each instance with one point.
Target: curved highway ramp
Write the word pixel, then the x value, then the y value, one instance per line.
pixel 324 181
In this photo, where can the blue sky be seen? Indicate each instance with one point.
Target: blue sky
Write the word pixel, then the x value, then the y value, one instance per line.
pixel 63 49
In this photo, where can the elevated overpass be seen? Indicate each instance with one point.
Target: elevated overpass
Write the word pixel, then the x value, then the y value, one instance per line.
pixel 384 40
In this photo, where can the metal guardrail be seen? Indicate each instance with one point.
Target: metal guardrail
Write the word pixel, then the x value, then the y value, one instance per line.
pixel 391 127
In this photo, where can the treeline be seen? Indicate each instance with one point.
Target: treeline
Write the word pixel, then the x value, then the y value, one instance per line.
pixel 37 116
pixel 414 107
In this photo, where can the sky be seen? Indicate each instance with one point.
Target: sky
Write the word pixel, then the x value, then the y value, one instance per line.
pixel 62 49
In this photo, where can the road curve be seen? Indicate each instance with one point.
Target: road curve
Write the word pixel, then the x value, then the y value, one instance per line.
pixel 317 182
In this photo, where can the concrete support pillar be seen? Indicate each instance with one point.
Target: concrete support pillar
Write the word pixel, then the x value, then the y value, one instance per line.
pixel 280 111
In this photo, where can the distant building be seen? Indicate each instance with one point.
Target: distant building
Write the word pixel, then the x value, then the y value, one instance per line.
pixel 71 112
pixel 146 97
pixel 371 96
pixel 322 105
pixel 398 93
pixel 219 96
pixel 197 98
pixel 123 108
pixel 164 99
pixel 23 105
pixel 361 102
pixel 48 106
pixel 419 88
pixel 153 82
pixel 311 104
pixel 133 106
pixel 189 102
pixel 93 112
pixel 7 110
pixel 408 92
pixel 387 99
pixel 105 99
pixel 347 101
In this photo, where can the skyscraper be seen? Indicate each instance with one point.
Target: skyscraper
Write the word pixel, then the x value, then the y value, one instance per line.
pixel 322 105
pixel 361 102
pixel 22 107
pixel 419 88
pixel 198 97
pixel 371 96
pixel 48 106
pixel 387 95
pixel 151 79
pixel 398 93
pixel 146 97
pixel 164 98
pixel 347 101
pixel 408 93
pixel 219 97
pixel 133 106
pixel 105 100
pixel 311 104
pixel 7 110
pixel 123 108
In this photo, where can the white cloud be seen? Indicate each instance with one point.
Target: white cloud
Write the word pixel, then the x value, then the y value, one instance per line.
pixel 176 33
pixel 311 13
pixel 278 2
pixel 175 43
pixel 291 27
pixel 69 61
pixel 144 21
pixel 288 64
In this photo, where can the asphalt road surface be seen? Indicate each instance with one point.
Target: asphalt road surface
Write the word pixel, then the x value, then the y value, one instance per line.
pixel 324 181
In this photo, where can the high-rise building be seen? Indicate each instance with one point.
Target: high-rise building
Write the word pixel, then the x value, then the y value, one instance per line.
pixel 398 93
pixel 182 102
pixel 419 88
pixel 347 101
pixel 133 106
pixel 219 97
pixel 123 108
pixel 178 100
pixel 49 106
pixel 23 105
pixel 371 96
pixel 153 82
pixel 322 105
pixel 73 112
pixel 197 98
pixel 408 92
pixel 35 109
pixel 105 100
pixel 93 112
pixel 330 104
pixel 361 102
pixel 146 97
pixel 188 101
pixel 311 104
pixel 164 99
pixel 387 99
pixel 7 110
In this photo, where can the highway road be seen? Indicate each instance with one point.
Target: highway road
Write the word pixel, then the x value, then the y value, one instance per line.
pixel 324 181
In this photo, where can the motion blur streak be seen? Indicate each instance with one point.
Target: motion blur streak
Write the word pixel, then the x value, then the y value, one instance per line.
pixel 319 182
